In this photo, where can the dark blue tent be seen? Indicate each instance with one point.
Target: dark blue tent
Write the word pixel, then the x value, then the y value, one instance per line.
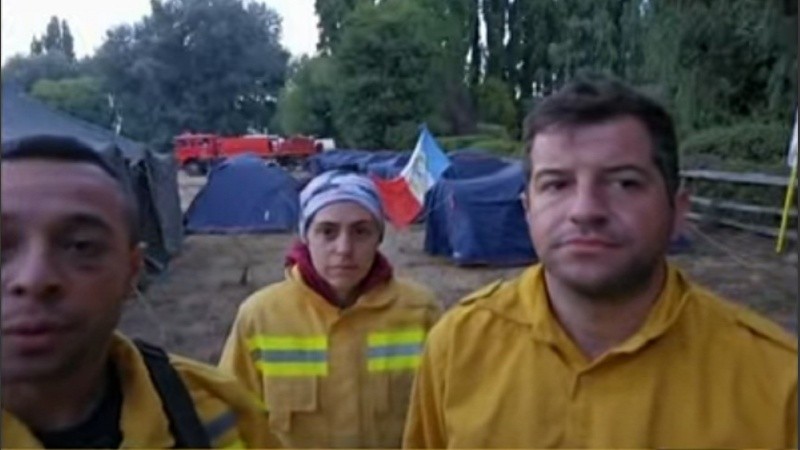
pixel 479 221
pixel 340 159
pixel 472 163
pixel 378 158
pixel 245 195
pixel 384 163
pixel 150 175
pixel 388 165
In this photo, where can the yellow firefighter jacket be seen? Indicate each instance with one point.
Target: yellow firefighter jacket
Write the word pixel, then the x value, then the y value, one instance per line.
pixel 499 371
pixel 332 377
pixel 232 416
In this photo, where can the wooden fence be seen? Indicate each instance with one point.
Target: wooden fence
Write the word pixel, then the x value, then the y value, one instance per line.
pixel 706 209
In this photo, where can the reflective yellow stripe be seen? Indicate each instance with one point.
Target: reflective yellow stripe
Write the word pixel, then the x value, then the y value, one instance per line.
pixel 266 342
pixel 283 369
pixel 407 336
pixel 393 363
pixel 235 444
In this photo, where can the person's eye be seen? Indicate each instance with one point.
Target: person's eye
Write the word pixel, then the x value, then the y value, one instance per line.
pixel 327 232
pixel 363 232
pixel 8 246
pixel 628 183
pixel 84 248
pixel 553 185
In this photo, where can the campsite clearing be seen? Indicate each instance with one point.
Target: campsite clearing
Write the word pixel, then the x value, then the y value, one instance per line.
pixel 191 309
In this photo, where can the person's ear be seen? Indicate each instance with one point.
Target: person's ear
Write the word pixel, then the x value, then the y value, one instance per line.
pixel 682 206
pixel 523 198
pixel 135 264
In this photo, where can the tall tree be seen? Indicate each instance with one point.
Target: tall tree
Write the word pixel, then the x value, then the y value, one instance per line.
pixel 475 55
pixel 56 38
pixel 539 29
pixel 389 73
pixel 332 15
pixel 52 39
pixel 36 46
pixel 715 62
pixel 496 104
pixel 495 14
pixel 305 105
pixel 722 62
pixel 27 70
pixel 214 66
pixel 67 41
pixel 454 34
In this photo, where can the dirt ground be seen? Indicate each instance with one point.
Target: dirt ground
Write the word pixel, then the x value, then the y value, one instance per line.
pixel 190 309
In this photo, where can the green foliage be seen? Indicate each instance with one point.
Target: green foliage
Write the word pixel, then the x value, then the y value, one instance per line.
pixel 57 38
pixel 455 29
pixel 27 70
pixel 722 62
pixel 496 104
pixel 214 66
pixel 305 105
pixel 464 67
pixel 389 75
pixel 494 15
pixel 492 144
pixel 753 142
pixel 332 15
pixel 744 147
pixel 500 147
pixel 460 142
pixel 67 41
pixel 769 196
pixel 82 97
pixel 36 47
pixel 493 130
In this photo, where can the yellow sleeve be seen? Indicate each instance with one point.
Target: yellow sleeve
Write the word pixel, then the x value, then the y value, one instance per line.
pixel 232 415
pixel 425 427
pixel 256 432
pixel 236 357
pixel 253 426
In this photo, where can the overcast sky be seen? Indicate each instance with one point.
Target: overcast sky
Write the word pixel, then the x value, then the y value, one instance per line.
pixel 89 19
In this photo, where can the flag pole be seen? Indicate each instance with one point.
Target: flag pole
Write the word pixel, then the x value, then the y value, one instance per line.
pixel 787 204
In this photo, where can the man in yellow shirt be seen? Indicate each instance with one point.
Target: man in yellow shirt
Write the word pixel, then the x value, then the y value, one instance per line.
pixel 604 343
pixel 70 256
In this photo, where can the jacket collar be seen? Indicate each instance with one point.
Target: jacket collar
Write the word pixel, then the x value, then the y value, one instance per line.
pixel 526 302
pixel 299 256
pixel 143 423
pixel 380 296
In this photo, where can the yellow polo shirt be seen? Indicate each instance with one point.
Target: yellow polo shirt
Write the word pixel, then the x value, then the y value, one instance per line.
pixel 499 371
pixel 232 416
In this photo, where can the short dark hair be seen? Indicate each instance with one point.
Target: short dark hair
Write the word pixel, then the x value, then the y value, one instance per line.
pixel 71 150
pixel 593 98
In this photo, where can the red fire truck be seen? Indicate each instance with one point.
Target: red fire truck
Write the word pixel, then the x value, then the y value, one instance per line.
pixel 196 151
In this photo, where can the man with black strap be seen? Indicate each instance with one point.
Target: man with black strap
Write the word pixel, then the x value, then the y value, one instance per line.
pixel 70 256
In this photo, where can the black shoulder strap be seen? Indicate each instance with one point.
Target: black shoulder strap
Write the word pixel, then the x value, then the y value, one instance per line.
pixel 178 405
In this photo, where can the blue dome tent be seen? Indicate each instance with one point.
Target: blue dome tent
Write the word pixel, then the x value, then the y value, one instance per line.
pixel 245 195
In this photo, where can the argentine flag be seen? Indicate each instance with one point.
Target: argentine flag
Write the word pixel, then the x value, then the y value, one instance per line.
pixel 404 197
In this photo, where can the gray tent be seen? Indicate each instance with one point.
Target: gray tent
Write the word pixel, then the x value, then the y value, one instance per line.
pixel 152 176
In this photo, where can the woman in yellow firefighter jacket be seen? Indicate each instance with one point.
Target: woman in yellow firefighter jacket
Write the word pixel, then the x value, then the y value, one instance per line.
pixel 332 350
